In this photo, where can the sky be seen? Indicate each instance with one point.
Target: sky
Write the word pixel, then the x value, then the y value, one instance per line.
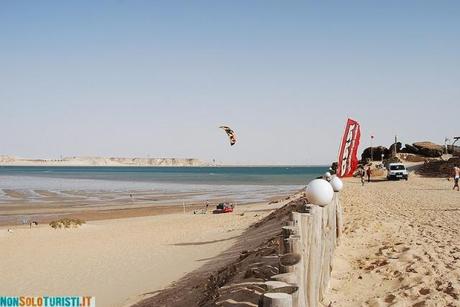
pixel 157 78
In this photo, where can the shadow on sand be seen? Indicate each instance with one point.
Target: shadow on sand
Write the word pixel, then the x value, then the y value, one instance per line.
pixel 205 242
pixel 200 287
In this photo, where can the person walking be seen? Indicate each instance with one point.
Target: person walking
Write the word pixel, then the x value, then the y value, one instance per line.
pixel 361 174
pixel 456 177
pixel 368 172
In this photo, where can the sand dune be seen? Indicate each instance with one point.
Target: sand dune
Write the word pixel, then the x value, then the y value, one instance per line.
pixel 101 161
pixel 401 245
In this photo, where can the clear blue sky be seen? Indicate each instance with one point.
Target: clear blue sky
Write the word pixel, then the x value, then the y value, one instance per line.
pixel 156 78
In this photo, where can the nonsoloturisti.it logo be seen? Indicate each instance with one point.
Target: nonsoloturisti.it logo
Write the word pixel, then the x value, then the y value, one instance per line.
pixel 47 301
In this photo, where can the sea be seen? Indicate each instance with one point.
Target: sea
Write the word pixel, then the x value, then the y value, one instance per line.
pixel 244 184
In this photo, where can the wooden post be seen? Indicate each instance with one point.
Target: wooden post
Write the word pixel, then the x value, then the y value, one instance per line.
pixel 289 230
pixel 290 278
pixel 299 268
pixel 328 234
pixel 288 234
pixel 313 276
pixel 339 215
pixel 307 254
pixel 277 300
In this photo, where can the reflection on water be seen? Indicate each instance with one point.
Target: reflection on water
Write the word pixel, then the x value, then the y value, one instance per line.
pixel 35 191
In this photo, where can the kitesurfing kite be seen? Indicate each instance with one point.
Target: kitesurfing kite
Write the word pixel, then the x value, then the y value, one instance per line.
pixel 231 134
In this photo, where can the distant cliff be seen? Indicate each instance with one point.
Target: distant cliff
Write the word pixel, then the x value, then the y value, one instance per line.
pixel 100 161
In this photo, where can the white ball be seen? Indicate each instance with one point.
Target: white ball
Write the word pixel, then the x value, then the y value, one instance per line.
pixel 319 192
pixel 336 183
pixel 327 175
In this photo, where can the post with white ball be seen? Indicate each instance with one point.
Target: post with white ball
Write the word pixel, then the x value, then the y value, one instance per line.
pixel 310 239
pixel 318 232
pixel 319 192
pixel 337 185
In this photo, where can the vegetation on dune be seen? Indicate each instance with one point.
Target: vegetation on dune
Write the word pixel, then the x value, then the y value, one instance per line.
pixel 66 223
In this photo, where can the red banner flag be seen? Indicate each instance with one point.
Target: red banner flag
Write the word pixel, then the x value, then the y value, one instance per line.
pixel 348 160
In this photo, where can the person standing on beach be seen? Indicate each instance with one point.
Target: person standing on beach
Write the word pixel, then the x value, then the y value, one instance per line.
pixel 368 172
pixel 361 174
pixel 456 177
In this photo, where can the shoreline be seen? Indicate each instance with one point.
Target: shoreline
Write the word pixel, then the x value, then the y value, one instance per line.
pixel 44 216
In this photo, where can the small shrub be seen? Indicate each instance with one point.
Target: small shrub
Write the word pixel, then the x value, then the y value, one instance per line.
pixel 66 223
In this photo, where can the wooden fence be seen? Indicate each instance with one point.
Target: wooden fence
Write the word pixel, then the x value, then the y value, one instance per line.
pixel 308 244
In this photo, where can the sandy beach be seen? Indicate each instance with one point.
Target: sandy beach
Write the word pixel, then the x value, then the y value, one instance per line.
pixel 400 246
pixel 119 261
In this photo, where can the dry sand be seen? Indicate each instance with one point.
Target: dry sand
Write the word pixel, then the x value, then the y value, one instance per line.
pixel 401 245
pixel 117 260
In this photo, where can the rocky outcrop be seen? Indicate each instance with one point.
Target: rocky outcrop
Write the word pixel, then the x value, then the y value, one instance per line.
pixel 398 146
pixel 418 151
pixel 454 150
pixel 429 149
pixel 376 153
pixel 438 168
pixel 412 157
pixel 408 148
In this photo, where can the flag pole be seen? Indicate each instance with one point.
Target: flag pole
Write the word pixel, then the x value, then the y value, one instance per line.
pixel 341 144
pixel 372 148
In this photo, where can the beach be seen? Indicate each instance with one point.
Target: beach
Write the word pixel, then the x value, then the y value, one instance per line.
pixel 119 261
pixel 141 231
pixel 399 248
pixel 400 245
pixel 164 153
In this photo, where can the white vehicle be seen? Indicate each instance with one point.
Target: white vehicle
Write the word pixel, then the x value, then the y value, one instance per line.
pixel 397 171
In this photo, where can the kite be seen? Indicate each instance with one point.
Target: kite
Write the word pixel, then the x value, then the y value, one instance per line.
pixel 231 134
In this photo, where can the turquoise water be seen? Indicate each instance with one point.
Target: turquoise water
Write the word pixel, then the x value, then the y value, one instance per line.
pixel 187 184
pixel 183 175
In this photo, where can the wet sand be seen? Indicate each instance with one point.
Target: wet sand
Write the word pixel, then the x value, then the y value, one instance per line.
pixel 17 206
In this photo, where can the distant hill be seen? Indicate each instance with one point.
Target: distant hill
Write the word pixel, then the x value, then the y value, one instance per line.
pixel 100 161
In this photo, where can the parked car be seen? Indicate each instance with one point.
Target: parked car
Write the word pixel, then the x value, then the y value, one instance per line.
pixel 397 171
